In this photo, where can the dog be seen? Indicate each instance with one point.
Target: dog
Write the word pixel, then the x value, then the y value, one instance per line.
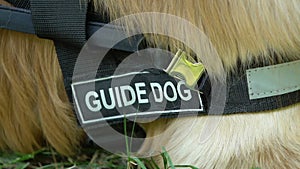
pixel 34 108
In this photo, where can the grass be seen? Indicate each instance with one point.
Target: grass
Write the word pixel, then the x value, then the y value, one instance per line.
pixel 88 158
pixel 92 157
pixel 48 159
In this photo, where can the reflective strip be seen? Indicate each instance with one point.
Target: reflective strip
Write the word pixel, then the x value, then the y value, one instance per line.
pixel 273 80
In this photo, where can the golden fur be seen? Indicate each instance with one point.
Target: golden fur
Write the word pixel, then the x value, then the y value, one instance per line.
pixel 33 104
pixel 34 109
pixel 2 2
pixel 244 30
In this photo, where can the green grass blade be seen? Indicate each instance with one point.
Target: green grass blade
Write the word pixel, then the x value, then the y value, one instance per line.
pixel 132 132
pixel 125 136
pixel 165 161
pixel 153 164
pixel 22 165
pixel 186 166
pixel 168 159
pixel 138 161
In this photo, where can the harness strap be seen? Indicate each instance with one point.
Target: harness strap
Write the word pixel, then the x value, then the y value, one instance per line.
pixel 65 23
pixel 241 88
pixel 60 20
pixel 25 4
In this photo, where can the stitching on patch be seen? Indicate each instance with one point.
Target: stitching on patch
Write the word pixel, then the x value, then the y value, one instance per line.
pixel 250 72
pixel 274 66
pixel 274 91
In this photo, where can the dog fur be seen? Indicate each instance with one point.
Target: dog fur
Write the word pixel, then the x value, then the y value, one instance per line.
pixel 246 31
pixel 33 103
pixel 34 110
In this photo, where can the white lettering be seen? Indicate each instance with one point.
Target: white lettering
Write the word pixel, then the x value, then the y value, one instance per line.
pixel 187 92
pixel 159 98
pixel 118 98
pixel 127 95
pixel 96 103
pixel 141 92
pixel 170 84
pixel 112 98
pixel 123 94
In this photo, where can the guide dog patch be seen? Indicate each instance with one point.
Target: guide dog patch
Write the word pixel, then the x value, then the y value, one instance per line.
pixel 137 95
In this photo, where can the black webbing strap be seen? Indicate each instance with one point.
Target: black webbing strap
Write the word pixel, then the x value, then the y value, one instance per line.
pixel 65 23
pixel 60 20
pixel 25 4
pixel 237 97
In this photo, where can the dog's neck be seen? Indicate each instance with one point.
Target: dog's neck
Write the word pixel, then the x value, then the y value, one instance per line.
pixel 247 31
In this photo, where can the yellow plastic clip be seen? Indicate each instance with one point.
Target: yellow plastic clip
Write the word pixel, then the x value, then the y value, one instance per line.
pixel 180 67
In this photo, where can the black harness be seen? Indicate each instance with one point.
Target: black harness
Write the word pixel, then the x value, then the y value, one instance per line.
pixel 70 23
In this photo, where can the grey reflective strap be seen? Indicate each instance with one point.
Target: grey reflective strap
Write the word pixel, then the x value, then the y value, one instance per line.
pixel 273 80
pixel 238 98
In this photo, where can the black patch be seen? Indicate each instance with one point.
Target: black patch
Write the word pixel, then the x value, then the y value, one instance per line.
pixel 150 94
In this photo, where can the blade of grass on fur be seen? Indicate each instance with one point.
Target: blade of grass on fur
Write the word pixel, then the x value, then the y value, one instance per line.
pixel 153 164
pixel 168 159
pixel 129 145
pixel 165 161
pixel 185 166
pixel 132 132
pixel 126 138
pixel 138 161
pixel 150 163
pixel 133 128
